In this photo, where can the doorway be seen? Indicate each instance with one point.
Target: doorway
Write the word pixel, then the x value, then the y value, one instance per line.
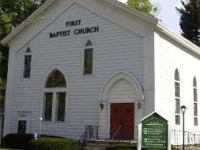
pixel 122 121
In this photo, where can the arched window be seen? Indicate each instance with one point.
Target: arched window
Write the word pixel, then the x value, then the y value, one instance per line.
pixel 177 96
pixel 55 97
pixel 56 79
pixel 27 63
pixel 88 58
pixel 195 99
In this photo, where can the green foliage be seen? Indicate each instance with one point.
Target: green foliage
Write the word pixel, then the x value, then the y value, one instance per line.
pixel 3 65
pixel 2 97
pixel 190 20
pixel 27 141
pixel 20 141
pixel 1 81
pixel 9 149
pixel 12 13
pixel 53 144
pixel 142 5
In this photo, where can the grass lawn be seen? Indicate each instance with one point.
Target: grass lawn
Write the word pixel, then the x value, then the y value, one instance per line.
pixel 8 149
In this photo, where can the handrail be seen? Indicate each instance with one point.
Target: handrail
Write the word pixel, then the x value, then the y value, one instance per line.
pixel 81 141
pixel 116 132
pixel 190 137
pixel 91 132
pixel 82 137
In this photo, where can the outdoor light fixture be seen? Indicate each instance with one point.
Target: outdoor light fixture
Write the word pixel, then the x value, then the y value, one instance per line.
pixel 101 106
pixel 139 105
pixel 40 118
pixel 183 109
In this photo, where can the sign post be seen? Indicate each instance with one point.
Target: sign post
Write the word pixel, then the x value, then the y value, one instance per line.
pixel 154 133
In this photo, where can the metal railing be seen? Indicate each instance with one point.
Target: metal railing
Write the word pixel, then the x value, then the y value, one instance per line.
pixel 116 132
pixel 82 137
pixel 91 133
pixel 191 138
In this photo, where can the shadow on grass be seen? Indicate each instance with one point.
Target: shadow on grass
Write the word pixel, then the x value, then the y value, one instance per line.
pixel 8 149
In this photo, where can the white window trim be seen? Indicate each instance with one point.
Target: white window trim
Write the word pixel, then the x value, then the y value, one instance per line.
pixel 54 103
pixel 175 97
pixel 23 64
pixel 195 102
pixel 54 90
pixel 83 57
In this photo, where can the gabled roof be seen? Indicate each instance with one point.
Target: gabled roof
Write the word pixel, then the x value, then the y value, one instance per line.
pixel 153 114
pixel 178 38
pixel 49 2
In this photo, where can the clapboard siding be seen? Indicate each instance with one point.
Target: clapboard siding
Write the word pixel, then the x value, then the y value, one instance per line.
pixel 115 50
pixel 122 91
pixel 170 56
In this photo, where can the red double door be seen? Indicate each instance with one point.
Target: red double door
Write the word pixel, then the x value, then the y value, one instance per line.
pixel 122 121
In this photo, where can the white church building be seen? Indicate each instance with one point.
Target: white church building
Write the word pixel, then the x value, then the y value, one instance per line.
pixel 75 63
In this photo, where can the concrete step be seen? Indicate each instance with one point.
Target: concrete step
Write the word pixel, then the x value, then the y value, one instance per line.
pixel 101 144
pixel 92 148
pixel 95 146
pixel 192 148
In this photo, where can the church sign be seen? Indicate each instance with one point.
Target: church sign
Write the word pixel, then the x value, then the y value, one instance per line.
pixel 154 133
pixel 76 31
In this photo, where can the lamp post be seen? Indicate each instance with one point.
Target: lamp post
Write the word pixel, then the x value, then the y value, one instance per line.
pixel 40 125
pixel 183 109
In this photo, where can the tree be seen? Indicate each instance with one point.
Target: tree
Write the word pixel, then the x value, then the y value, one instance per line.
pixel 3 64
pixel 12 13
pixel 142 5
pixel 190 20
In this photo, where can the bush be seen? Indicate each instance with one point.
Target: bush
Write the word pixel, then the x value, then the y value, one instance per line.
pixel 19 141
pixel 53 144
pixel 49 136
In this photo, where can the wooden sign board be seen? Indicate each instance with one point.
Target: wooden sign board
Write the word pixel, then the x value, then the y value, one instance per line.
pixel 154 133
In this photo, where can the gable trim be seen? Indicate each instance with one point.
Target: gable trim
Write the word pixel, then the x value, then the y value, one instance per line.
pixel 117 76
pixel 42 8
pixel 179 39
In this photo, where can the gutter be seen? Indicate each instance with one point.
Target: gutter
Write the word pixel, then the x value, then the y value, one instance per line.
pixel 179 39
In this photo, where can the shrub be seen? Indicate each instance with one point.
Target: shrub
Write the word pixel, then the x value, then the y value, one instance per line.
pixel 53 144
pixel 19 141
pixel 49 136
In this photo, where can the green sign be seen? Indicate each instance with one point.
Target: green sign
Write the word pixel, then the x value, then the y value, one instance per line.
pixel 154 133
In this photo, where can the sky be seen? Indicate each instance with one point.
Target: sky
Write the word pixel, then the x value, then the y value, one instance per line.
pixel 167 13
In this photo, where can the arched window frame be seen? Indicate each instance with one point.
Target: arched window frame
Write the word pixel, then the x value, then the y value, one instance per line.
pixel 177 96
pixel 195 101
pixel 27 63
pixel 55 98
pixel 88 57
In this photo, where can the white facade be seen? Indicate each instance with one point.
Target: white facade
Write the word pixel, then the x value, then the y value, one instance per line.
pixel 134 60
